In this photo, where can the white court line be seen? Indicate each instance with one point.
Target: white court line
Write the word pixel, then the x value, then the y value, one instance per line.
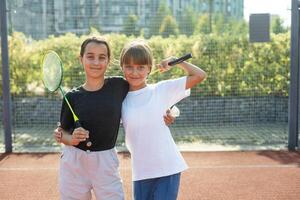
pixel 244 166
pixel 27 168
pixel 127 168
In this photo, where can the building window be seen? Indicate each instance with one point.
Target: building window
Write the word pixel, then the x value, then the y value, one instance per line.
pixel 115 9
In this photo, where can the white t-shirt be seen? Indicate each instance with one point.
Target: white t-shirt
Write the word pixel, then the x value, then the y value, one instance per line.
pixel 153 150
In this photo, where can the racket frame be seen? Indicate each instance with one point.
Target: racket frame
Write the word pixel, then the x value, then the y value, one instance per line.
pixel 61 69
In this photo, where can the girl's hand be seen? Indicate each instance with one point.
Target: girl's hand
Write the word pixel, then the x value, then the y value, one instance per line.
pixel 168 118
pixel 79 135
pixel 57 134
pixel 163 65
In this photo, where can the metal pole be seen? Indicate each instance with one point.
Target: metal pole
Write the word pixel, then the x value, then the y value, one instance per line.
pixel 44 35
pixel 294 78
pixel 5 79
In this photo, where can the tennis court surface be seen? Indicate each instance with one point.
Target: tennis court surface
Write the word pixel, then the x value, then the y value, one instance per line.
pixel 230 175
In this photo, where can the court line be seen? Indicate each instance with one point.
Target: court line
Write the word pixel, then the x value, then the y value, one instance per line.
pixel 245 166
pixel 27 168
pixel 199 167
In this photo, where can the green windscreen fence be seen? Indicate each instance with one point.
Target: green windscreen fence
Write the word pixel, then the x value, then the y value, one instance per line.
pixel 243 103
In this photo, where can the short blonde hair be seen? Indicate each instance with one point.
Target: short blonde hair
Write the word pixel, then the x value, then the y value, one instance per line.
pixel 136 52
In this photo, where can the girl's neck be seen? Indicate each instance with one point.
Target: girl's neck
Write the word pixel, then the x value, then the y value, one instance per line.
pixel 93 85
pixel 134 88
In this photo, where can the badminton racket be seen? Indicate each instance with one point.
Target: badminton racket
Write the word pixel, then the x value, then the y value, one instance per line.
pixel 176 61
pixel 52 69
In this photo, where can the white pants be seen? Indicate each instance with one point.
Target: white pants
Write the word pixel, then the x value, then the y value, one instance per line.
pixel 82 171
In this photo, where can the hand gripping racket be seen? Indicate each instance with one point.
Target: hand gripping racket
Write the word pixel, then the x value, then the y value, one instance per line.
pixel 176 61
pixel 52 69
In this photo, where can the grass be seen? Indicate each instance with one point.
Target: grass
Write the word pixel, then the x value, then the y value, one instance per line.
pixel 39 139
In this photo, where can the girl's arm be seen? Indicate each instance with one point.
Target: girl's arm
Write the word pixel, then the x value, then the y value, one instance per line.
pixel 195 74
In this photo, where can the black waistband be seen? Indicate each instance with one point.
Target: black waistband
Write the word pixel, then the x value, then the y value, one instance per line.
pixel 82 146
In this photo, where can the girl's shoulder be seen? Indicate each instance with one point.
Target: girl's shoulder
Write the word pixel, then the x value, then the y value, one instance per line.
pixel 161 83
pixel 169 84
pixel 75 91
pixel 171 81
pixel 116 80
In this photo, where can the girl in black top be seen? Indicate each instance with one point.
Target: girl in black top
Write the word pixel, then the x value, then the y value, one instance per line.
pixel 97 103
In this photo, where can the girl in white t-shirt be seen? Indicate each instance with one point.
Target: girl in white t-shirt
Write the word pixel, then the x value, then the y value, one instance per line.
pixel 156 161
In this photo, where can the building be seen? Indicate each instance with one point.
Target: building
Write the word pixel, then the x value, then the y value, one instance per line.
pixel 40 18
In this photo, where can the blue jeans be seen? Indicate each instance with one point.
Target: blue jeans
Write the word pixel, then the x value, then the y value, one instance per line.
pixel 161 188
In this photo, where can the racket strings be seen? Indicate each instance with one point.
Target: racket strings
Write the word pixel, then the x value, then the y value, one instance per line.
pixel 52 71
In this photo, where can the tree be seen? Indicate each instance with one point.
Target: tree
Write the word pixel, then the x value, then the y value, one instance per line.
pixel 202 25
pixel 187 21
pixel 156 21
pixel 94 31
pixel 130 26
pixel 220 25
pixel 168 27
pixel 229 25
pixel 210 11
pixel 238 27
pixel 277 26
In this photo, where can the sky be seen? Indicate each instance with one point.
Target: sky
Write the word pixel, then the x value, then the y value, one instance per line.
pixel 279 7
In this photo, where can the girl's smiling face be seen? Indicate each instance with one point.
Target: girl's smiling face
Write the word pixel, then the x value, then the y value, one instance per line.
pixel 95 60
pixel 136 75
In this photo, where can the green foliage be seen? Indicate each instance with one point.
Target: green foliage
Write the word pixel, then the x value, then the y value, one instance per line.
pixel 234 66
pixel 156 21
pixel 130 26
pixel 169 27
pixel 94 28
pixel 226 25
pixel 220 25
pixel 20 63
pixel 202 25
pixel 187 21
pixel 277 25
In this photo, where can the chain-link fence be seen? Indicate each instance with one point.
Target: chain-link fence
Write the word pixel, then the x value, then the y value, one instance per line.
pixel 242 104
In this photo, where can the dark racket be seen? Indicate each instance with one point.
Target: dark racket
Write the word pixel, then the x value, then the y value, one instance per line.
pixel 175 62
pixel 52 69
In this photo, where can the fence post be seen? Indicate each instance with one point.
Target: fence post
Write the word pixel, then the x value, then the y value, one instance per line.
pixel 5 79
pixel 294 78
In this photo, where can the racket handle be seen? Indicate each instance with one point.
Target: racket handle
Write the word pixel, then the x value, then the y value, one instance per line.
pixel 181 59
pixel 77 124
pixel 87 141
